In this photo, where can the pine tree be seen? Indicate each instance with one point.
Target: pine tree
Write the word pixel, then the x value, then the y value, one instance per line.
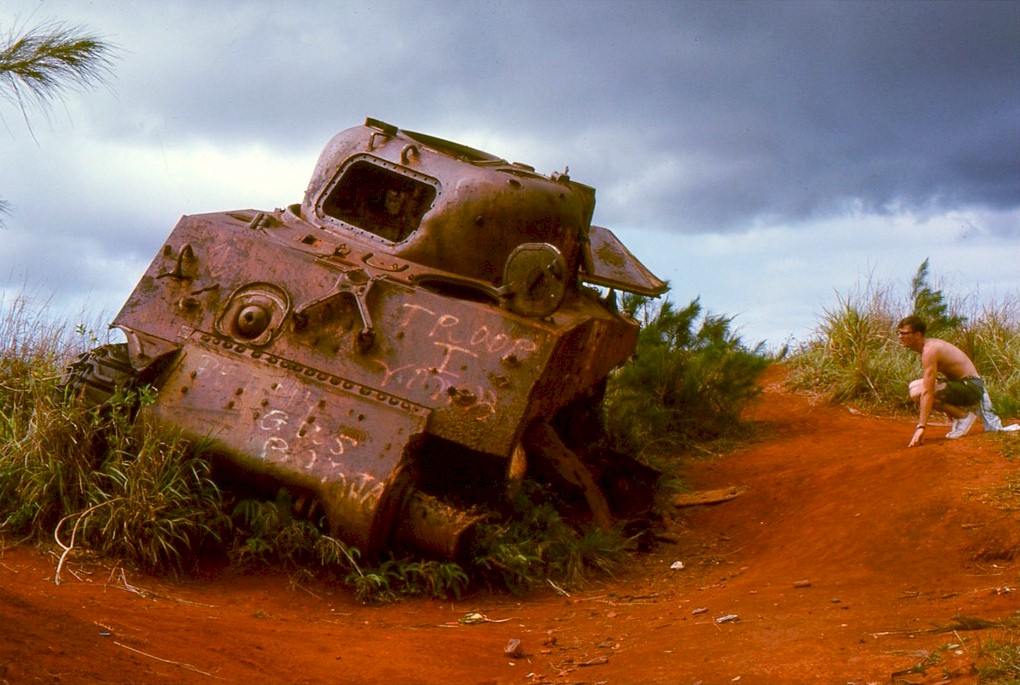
pixel 930 304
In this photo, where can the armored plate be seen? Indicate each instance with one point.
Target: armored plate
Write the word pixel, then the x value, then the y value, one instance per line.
pixel 613 266
pixel 343 441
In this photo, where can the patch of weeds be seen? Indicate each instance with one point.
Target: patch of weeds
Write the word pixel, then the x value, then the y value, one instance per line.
pixel 266 534
pixel 392 578
pixel 537 545
pixel 408 577
pixel 1009 494
pixel 1007 497
pixel 929 660
pixel 1009 445
pixel 1000 663
pixel 999 659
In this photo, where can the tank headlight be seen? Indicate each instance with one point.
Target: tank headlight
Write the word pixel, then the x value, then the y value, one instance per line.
pixel 252 321
pixel 253 313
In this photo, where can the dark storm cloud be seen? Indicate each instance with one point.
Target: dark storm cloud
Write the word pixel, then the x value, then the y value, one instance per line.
pixel 769 111
pixel 894 124
pixel 800 110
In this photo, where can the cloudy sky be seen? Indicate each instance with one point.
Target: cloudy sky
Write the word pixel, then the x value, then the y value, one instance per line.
pixel 765 156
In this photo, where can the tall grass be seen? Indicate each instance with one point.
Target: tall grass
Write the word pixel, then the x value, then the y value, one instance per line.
pixel 67 469
pixel 854 355
pixel 32 351
pixel 992 339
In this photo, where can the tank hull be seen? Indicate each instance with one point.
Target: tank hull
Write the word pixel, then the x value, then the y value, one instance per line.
pixel 423 294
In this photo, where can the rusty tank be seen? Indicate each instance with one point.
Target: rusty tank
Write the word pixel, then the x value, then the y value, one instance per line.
pixel 427 314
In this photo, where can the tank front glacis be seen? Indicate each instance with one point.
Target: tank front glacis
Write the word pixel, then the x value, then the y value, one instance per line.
pixel 310 349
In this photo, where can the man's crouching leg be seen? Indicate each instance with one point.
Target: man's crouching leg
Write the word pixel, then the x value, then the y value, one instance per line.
pixel 916 389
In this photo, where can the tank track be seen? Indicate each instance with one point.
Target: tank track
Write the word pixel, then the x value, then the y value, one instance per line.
pixel 97 374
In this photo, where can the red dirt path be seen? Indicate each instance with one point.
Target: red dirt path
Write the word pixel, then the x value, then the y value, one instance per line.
pixel 894 543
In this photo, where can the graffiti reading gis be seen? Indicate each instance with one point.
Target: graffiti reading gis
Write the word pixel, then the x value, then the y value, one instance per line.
pixel 303 442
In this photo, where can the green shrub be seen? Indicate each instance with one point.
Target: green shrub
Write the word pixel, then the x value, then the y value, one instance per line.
pixel 930 304
pixel 689 381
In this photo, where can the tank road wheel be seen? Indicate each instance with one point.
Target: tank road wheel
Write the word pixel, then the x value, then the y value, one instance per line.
pixel 97 374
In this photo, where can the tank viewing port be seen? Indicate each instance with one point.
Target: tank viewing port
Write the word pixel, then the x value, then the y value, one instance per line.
pixel 379 200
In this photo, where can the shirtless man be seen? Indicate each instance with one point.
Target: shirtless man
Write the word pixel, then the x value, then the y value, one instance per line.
pixel 963 387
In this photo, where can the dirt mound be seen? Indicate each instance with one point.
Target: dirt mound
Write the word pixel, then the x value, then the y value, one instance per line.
pixel 847 559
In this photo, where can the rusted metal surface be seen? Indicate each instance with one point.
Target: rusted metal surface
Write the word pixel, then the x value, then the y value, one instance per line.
pixel 424 298
pixel 542 440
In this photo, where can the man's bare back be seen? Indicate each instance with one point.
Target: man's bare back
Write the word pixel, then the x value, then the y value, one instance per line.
pixel 948 359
